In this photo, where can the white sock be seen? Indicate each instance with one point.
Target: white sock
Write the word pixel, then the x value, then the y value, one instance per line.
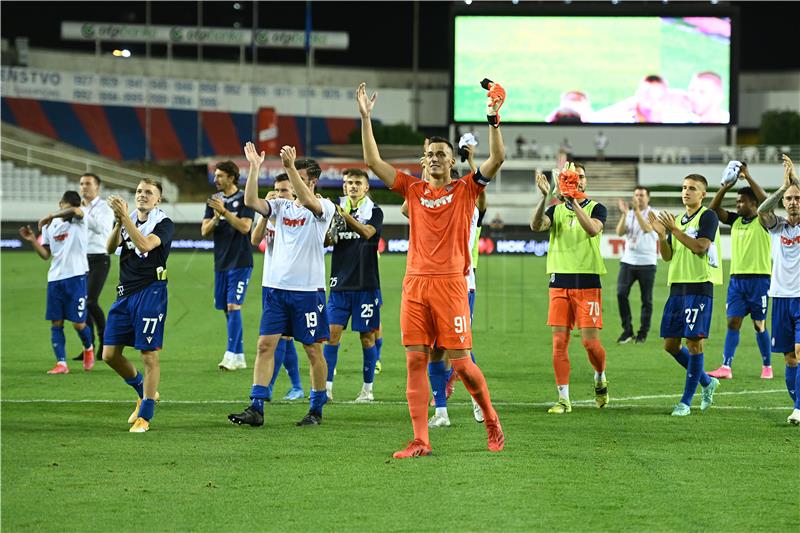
pixel 240 356
pixel 600 376
pixel 563 392
pixel 62 363
pixel 329 386
pixel 442 411
pixel 367 387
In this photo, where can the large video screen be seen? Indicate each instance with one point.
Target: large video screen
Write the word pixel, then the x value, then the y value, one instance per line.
pixel 611 70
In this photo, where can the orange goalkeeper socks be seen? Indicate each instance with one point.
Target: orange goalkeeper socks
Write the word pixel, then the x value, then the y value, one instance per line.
pixel 597 354
pixel 417 393
pixel 472 378
pixel 561 364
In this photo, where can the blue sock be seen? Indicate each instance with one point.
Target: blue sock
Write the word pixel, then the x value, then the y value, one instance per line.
pixel 379 346
pixel 693 373
pixel 280 353
pixel 370 357
pixel 729 350
pixel 137 383
pixel 796 391
pixel 682 357
pixel 791 382
pixel 318 399
pixel 147 409
pixel 449 374
pixel 472 355
pixel 291 365
pixel 331 354
pixel 235 335
pixel 764 346
pixel 86 336
pixel 59 343
pixel 438 376
pixel 259 393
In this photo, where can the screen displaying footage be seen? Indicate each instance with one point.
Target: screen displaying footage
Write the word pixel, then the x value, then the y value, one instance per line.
pixel 611 70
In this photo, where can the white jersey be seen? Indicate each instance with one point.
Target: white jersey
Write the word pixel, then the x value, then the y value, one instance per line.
pixel 99 223
pixel 473 234
pixel 785 282
pixel 67 242
pixel 297 258
pixel 640 247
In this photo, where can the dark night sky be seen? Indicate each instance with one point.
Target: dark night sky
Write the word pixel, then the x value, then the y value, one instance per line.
pixel 380 32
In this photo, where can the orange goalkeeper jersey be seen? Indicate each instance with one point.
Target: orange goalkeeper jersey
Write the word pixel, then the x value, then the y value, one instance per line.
pixel 439 224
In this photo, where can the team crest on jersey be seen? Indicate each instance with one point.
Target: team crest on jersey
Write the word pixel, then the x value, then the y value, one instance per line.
pixel 236 203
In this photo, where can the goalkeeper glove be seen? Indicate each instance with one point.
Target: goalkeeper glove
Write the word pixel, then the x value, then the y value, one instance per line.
pixel 496 97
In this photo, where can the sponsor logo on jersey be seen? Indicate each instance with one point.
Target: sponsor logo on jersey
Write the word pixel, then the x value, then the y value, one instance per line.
pixel 433 204
pixel 61 237
pixel 790 241
pixel 294 222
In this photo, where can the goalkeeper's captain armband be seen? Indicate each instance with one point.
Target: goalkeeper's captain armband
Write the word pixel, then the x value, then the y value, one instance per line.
pixel 496 97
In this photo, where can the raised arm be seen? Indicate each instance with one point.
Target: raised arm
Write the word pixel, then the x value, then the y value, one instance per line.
pixel 74 212
pixel 251 198
pixel 758 190
pixel 622 226
pixel 643 223
pixel 208 225
pixel 482 203
pixel 540 222
pixel 114 238
pixel 29 235
pixel 304 195
pixel 766 211
pixel 716 203
pixel 497 154
pixel 372 156
pixel 664 245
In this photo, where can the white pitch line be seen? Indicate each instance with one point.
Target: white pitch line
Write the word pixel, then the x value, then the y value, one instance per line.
pixel 578 403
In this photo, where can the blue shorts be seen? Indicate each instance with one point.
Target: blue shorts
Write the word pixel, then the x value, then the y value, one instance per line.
pixel 363 306
pixel 298 314
pixel 230 286
pixel 687 317
pixel 66 299
pixel 471 305
pixel 748 296
pixel 785 324
pixel 138 319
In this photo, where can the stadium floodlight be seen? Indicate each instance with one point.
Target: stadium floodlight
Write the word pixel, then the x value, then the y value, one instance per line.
pixel 714 2
pixel 121 53
pixel 126 53
pixel 468 2
pixel 615 2
pixel 515 2
pixel 237 6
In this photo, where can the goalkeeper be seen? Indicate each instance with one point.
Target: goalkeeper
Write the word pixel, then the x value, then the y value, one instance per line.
pixel 575 265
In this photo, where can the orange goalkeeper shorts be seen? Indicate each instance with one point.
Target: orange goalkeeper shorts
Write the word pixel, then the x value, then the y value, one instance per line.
pixel 435 310
pixel 575 307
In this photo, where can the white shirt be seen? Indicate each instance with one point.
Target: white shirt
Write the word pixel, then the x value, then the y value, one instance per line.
pixel 99 222
pixel 67 242
pixel 297 262
pixel 473 233
pixel 785 282
pixel 640 247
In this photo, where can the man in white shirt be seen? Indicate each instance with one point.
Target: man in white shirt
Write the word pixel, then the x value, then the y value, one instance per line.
pixel 64 240
pixel 293 293
pixel 638 263
pixel 784 288
pixel 99 222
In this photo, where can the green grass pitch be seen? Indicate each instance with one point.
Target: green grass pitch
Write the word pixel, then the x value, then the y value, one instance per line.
pixel 69 463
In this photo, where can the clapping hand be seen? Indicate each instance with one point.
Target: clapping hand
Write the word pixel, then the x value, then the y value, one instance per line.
pixel 217 205
pixel 252 155
pixel 789 175
pixel 288 155
pixel 27 233
pixel 119 207
pixel 365 104
pixel 658 227
pixel 667 220
pixel 623 205
pixel 542 183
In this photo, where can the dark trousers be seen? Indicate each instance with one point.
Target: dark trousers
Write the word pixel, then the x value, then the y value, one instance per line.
pixel 646 276
pixel 99 265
